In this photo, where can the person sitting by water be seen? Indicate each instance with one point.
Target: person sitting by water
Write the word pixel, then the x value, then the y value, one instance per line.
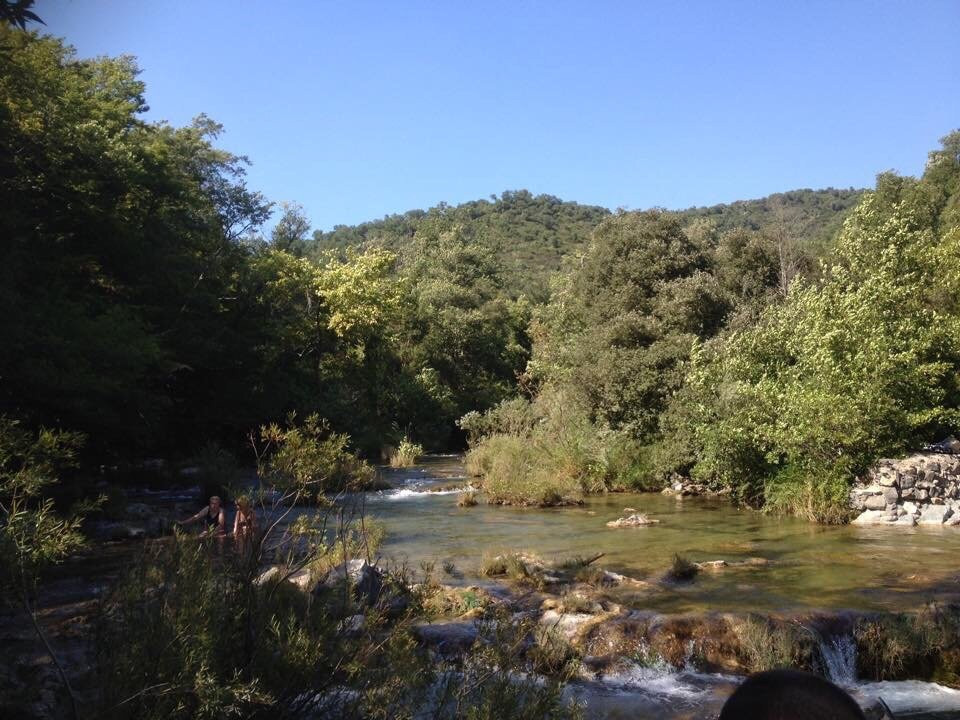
pixel 245 521
pixel 789 695
pixel 212 519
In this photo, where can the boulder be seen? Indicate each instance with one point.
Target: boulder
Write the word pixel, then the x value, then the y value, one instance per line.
pixel 447 638
pixel 301 578
pixel 887 479
pixel 634 520
pixel 568 624
pixel 911 508
pixel 870 517
pixel 365 579
pixel 875 502
pixel 935 515
pixel 908 520
pixel 271 574
pixel 891 495
pixel 908 481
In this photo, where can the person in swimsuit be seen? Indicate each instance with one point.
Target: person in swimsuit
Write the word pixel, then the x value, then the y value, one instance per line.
pixel 211 518
pixel 245 521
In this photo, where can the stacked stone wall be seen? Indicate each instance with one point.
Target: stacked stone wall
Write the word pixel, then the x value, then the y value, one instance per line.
pixel 923 488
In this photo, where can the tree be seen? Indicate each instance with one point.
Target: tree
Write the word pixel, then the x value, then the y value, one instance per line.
pixel 292 230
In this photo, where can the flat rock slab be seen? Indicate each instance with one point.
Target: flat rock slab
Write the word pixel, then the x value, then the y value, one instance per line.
pixel 634 520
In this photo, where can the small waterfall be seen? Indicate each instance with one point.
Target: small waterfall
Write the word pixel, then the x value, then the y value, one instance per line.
pixel 839 654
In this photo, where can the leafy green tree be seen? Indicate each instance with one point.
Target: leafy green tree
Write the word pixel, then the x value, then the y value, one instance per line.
pixel 857 366
pixel 292 230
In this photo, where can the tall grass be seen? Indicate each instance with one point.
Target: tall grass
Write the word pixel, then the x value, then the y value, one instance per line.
pixel 406 454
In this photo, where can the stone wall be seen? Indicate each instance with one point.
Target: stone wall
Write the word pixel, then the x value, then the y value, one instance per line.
pixel 923 488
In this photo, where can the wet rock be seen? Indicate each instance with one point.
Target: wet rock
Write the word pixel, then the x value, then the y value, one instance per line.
pixel 634 520
pixel 906 520
pixel 870 517
pixel 111 530
pixel 712 565
pixel 613 578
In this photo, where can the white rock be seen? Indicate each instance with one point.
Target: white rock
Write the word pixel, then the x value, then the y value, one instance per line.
pixel 271 573
pixel 870 517
pixel 566 623
pixel 935 515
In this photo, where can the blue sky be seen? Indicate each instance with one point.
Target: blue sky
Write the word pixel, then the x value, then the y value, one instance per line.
pixel 359 109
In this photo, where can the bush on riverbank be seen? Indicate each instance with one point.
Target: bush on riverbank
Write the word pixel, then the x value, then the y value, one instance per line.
pixel 188 633
pixel 901 646
pixel 310 457
pixel 860 365
pixel 672 351
pixel 547 453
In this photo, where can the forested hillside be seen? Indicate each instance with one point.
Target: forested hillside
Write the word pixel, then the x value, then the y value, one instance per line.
pixel 147 312
pixel 531 234
pixel 737 356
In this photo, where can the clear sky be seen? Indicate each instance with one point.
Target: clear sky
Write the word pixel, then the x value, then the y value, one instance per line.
pixel 359 109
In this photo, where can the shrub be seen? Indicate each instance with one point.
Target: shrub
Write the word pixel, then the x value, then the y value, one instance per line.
pixel 309 457
pixel 682 570
pixel 766 645
pixel 406 454
pixel 186 635
pixel 551 654
pixel 922 645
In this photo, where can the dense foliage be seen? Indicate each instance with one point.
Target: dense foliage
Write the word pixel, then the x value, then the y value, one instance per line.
pixel 742 358
pixel 143 310
pixel 859 365
pixel 146 312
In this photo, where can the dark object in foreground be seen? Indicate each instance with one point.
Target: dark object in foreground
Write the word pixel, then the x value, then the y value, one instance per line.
pixel 790 695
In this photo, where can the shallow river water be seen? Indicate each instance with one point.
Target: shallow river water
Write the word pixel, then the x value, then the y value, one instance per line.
pixel 796 567
pixel 807 566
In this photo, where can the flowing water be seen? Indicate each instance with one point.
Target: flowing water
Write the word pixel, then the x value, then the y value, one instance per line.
pixel 787 564
pixel 775 565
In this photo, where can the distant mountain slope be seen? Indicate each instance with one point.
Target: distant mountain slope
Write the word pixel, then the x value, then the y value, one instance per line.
pixel 810 217
pixel 532 233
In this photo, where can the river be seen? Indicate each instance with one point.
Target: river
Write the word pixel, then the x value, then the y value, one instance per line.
pixel 786 566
